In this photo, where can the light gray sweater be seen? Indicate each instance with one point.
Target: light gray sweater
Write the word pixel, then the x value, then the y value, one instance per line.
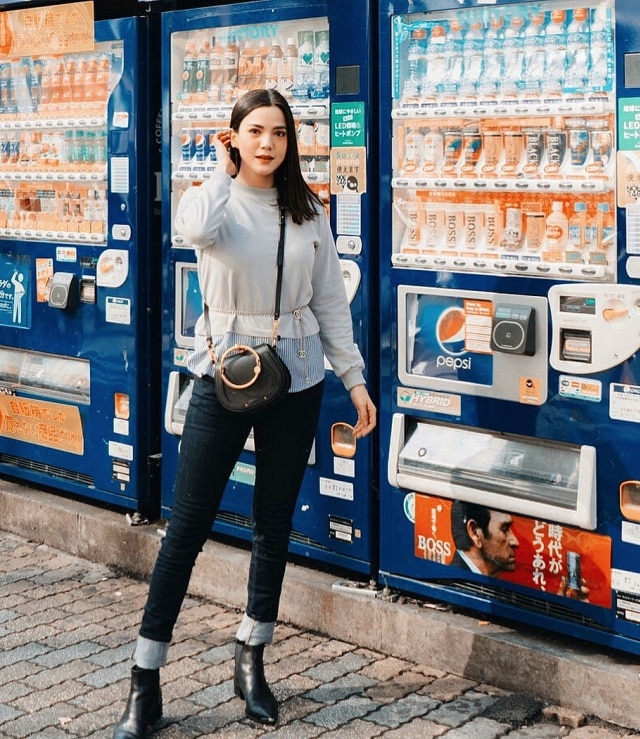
pixel 234 230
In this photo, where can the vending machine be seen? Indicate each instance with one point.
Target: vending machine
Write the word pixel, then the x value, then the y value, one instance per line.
pixel 80 254
pixel 316 54
pixel 510 310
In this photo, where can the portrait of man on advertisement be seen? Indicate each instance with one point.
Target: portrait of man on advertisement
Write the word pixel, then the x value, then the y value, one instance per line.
pixel 484 539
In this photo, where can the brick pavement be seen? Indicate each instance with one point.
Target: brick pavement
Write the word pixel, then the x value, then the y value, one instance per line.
pixel 67 628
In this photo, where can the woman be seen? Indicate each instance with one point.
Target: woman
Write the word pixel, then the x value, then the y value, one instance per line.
pixel 232 221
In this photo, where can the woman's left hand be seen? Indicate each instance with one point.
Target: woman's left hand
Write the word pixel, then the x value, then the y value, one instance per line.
pixel 366 411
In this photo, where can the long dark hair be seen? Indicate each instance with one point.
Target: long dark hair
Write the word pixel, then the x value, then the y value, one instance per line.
pixel 293 192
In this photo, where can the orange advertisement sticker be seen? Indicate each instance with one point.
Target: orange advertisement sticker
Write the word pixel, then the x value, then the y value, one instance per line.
pixel 42 423
pixel 54 29
pixel 544 556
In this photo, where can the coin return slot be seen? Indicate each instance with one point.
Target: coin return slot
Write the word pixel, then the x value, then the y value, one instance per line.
pixel 575 345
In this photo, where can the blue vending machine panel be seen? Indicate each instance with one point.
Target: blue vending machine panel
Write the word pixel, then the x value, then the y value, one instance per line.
pixel 322 67
pixel 510 321
pixel 78 307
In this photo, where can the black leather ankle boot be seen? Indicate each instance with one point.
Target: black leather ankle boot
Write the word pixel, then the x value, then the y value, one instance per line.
pixel 144 706
pixel 250 684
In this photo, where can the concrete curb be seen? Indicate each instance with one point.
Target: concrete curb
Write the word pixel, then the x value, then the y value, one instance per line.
pixel 567 673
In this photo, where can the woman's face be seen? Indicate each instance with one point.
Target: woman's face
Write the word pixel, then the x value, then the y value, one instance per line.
pixel 262 143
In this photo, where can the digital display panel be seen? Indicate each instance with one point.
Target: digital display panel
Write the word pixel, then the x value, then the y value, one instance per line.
pixel 578 305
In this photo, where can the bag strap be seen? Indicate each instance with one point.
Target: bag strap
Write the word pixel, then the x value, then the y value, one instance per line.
pixel 276 311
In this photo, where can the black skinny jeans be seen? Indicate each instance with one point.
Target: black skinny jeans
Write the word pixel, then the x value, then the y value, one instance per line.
pixel 211 444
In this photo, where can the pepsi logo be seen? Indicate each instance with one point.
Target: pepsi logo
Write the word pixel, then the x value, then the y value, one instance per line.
pixel 450 331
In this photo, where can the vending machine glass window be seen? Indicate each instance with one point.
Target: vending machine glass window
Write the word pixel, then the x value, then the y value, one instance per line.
pixel 504 141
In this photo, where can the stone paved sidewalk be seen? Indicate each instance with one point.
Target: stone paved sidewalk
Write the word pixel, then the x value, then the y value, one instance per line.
pixel 67 628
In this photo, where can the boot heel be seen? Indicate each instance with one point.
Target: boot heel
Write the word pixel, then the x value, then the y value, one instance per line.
pixel 144 706
pixel 249 683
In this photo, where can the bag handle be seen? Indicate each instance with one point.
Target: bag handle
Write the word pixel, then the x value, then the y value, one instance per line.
pixel 276 310
pixel 256 369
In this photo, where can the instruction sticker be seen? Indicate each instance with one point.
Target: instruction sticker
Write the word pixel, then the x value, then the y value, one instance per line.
pixel 624 402
pixel 336 489
pixel 579 388
pixel 118 310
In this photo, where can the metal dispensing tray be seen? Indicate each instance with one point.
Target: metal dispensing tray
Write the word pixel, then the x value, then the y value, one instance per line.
pixel 550 479
pixel 45 375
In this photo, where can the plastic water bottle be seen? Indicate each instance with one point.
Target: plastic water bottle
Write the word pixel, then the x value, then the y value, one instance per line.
pixel 304 69
pixel 412 87
pixel 320 86
pixel 577 50
pixel 491 80
pixel 472 51
pixel 534 54
pixel 288 66
pixel 513 56
pixel 600 49
pixel 453 50
pixel 556 51
pixel 435 75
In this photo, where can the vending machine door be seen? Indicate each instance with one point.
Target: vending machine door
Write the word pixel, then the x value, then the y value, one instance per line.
pixel 509 347
pixel 78 225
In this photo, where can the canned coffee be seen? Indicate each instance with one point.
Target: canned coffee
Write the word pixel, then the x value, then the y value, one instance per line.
pixel 492 149
pixel 452 148
pixel 433 151
pixel 535 225
pixel 534 150
pixel 556 150
pixel 513 150
pixel 579 146
pixel 472 148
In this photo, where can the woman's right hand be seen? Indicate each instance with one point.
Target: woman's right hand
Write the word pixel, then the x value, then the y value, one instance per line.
pixel 222 144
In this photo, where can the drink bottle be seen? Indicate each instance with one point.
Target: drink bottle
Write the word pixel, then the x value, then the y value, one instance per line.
pixel 245 67
pixel 472 51
pixel 258 77
pixel 533 63
pixel 288 66
pixel 320 85
pixel 600 49
pixel 202 69
pixel 605 227
pixel 273 65
pixel 230 70
pixel 304 69
pixel 78 80
pixel 91 79
pixel 412 86
pixel 453 49
pixel 493 60
pixel 189 65
pixel 557 228
pixel 555 51
pixel 216 71
pixel 435 74
pixel 513 56
pixel 577 225
pixel 577 61
pixel 66 92
pixel 103 78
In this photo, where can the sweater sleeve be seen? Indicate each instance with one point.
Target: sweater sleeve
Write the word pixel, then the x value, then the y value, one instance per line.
pixel 331 309
pixel 201 210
